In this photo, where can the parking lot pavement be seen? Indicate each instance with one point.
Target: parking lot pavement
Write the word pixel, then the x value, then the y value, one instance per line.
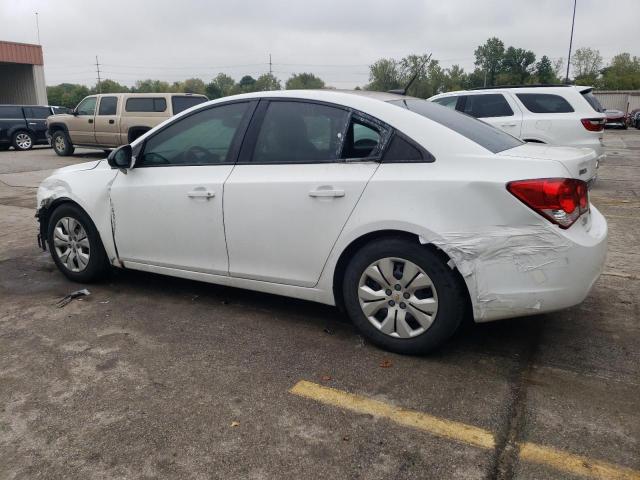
pixel 154 377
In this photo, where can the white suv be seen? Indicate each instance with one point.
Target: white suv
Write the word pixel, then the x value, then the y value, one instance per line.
pixel 558 115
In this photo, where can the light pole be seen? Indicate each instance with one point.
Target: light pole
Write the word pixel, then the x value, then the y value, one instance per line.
pixel 566 78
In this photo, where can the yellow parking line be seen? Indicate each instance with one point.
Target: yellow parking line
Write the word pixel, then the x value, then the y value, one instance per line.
pixel 461 432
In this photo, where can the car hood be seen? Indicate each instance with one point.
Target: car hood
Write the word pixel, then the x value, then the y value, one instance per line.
pixel 78 167
pixel 582 163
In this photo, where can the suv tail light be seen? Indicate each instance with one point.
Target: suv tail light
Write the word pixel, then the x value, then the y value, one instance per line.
pixel 560 200
pixel 594 124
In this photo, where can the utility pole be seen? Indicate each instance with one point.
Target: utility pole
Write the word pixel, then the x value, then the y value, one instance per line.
pixel 270 65
pixel 566 78
pixel 37 27
pixel 98 70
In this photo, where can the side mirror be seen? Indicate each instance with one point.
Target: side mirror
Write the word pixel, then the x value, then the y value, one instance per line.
pixel 121 158
pixel 74 112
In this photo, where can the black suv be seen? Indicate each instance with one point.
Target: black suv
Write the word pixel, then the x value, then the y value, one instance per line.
pixel 24 126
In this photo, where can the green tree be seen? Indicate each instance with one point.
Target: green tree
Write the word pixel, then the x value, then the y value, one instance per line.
pixel 151 86
pixel 267 82
pixel 110 86
pixel 246 84
pixel 489 58
pixel 221 86
pixel 455 79
pixel 194 85
pixel 586 63
pixel 516 66
pixel 304 81
pixel 623 73
pixel 66 94
pixel 384 75
pixel 545 72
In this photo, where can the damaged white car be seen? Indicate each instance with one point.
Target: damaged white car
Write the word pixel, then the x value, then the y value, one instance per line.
pixel 404 213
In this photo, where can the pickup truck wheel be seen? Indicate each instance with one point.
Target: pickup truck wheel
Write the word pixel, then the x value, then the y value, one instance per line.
pixel 75 245
pixel 22 140
pixel 62 144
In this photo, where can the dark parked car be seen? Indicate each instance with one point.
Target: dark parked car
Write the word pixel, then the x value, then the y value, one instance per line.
pixel 634 118
pixel 616 118
pixel 23 126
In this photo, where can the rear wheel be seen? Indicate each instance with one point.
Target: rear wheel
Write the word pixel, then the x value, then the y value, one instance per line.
pixel 62 144
pixel 75 244
pixel 22 140
pixel 402 296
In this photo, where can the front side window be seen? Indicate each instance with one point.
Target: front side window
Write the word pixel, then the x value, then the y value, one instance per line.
pixel 544 103
pixel 146 104
pixel 37 112
pixel 298 132
pixel 87 106
pixel 486 106
pixel 449 102
pixel 108 106
pixel 203 138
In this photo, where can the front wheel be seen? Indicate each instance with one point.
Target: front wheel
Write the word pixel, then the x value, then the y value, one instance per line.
pixel 402 296
pixel 75 244
pixel 62 144
pixel 22 141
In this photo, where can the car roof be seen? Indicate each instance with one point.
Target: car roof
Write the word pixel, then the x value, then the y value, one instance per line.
pixel 519 89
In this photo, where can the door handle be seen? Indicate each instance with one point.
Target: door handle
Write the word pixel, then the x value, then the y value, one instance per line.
pixel 112 121
pixel 509 125
pixel 326 192
pixel 201 194
pixel 32 123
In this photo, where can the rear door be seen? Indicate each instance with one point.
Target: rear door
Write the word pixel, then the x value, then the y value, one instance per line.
pixel 301 172
pixel 107 128
pixel 495 109
pixel 36 120
pixel 80 124
pixel 11 119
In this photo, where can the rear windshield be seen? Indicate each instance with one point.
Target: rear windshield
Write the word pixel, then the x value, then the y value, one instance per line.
pixel 182 103
pixel 593 101
pixel 477 131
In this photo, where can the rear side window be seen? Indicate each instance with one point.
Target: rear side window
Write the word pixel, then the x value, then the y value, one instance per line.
pixel 37 112
pixel 401 150
pixel 299 132
pixel 361 141
pixel 485 135
pixel 485 106
pixel 108 106
pixel 10 112
pixel 544 103
pixel 593 101
pixel 148 104
pixel 449 102
pixel 182 103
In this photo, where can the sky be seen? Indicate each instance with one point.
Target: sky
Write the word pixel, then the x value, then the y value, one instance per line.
pixel 335 39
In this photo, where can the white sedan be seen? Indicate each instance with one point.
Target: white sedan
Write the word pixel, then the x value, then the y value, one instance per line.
pixel 404 213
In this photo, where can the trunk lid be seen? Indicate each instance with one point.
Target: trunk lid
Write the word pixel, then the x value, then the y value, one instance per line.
pixel 582 163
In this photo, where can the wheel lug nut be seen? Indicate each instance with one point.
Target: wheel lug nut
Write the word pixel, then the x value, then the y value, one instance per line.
pixel 398 287
pixel 403 305
pixel 406 295
pixel 391 303
pixel 388 292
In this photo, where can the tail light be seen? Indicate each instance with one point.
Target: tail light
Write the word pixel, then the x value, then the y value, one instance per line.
pixel 594 124
pixel 560 200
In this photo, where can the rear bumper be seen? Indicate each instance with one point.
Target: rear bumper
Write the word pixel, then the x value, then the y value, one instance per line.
pixel 543 273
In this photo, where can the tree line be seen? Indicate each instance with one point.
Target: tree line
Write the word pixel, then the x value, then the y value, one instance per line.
pixel 494 65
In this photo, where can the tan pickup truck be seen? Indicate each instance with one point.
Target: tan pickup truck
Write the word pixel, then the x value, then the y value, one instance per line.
pixel 109 120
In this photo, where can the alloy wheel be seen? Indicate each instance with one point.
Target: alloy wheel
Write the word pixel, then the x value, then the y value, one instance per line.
pixel 23 141
pixel 71 244
pixel 398 297
pixel 59 143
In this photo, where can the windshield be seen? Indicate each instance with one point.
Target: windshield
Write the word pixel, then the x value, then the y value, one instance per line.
pixel 483 134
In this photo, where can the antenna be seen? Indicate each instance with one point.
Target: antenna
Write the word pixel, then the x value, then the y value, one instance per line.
pixel 37 27
pixel 403 91
pixel 573 22
pixel 98 70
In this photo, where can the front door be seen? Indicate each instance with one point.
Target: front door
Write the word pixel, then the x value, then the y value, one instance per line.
pixel 80 125
pixel 168 209
pixel 37 121
pixel 107 126
pixel 294 188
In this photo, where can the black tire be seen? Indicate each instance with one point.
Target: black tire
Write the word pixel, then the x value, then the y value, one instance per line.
pixel 450 295
pixel 98 265
pixel 61 143
pixel 22 140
